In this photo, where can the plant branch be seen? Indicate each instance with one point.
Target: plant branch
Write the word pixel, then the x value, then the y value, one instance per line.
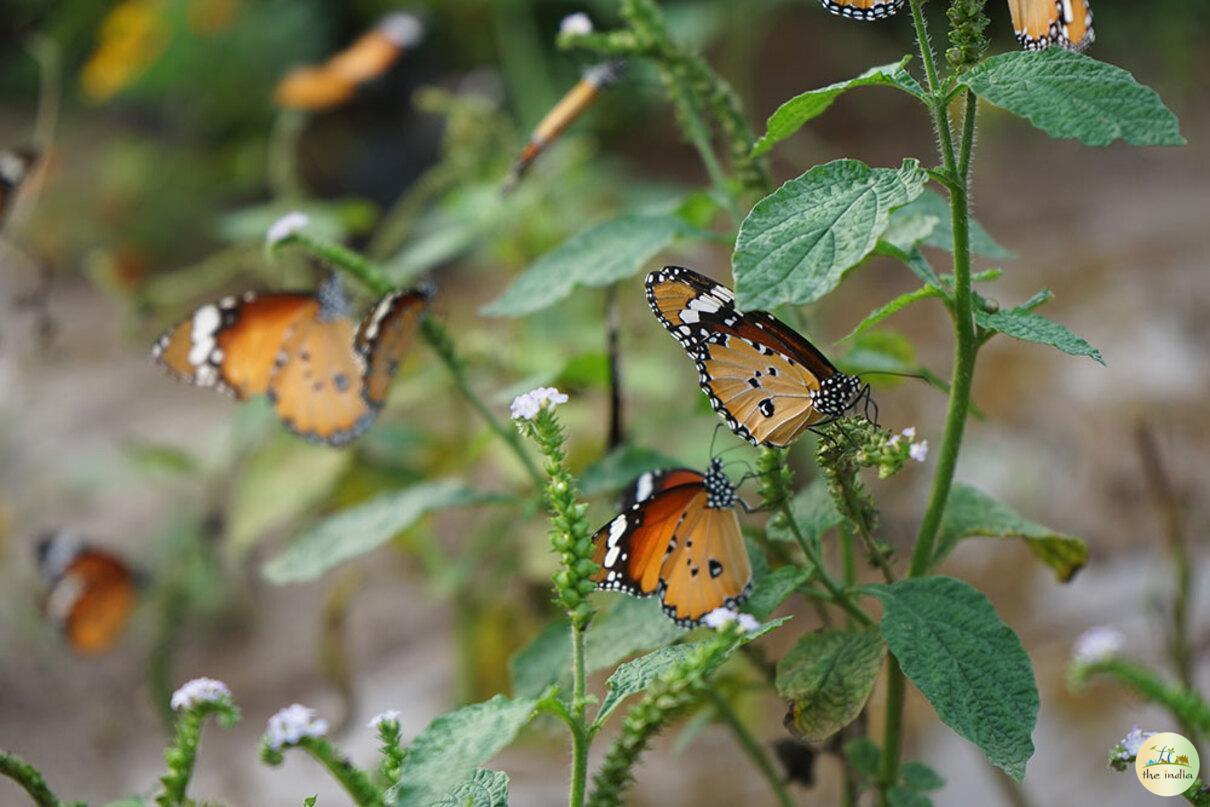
pixel 30 779
pixel 751 747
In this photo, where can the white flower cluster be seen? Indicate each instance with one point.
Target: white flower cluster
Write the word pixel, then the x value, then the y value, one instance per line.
pixel 389 716
pixel 286 226
pixel 404 30
pixel 1132 743
pixel 1098 644
pixel 577 23
pixel 290 725
pixel 917 451
pixel 719 618
pixel 527 406
pixel 199 690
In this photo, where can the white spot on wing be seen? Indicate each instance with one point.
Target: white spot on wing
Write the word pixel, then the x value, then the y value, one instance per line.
pixel 206 322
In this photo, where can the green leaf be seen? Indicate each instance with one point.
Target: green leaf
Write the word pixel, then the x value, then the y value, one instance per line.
pixel 770 591
pixel 635 676
pixel 1030 327
pixel 484 789
pixel 597 256
pixel 1069 95
pixel 791 115
pixel 894 307
pixel 827 678
pixel 453 746
pixel 970 512
pixel 906 231
pixel 865 756
pixel 160 458
pixel 906 797
pixel 359 529
pixel 814 511
pixel 913 259
pixel 632 625
pixel 309 801
pixel 619 468
pixel 797 243
pixel 953 646
pixel 931 203
pixel 918 776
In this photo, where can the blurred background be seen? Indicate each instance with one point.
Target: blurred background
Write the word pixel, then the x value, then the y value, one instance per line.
pixel 165 158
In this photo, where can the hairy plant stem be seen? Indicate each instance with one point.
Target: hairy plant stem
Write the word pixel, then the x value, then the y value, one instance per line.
pixel 751 747
pixel 351 778
pixel 580 737
pixel 1186 705
pixel 965 349
pixel 29 778
pixel 839 595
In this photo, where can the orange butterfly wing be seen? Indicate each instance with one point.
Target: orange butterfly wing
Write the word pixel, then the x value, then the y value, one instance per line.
pixel 93 601
pixel 708 568
pixel 233 344
pixel 631 548
pixel 863 9
pixel 1042 23
pixel 384 337
pixel 316 388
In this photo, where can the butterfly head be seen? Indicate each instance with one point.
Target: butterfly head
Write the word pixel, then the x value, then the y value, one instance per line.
pixel 720 493
pixel 837 394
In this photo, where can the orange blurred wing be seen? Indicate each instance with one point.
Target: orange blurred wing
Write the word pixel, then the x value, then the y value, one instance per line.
pixel 384 337
pixel 93 601
pixel 632 548
pixel 708 567
pixel 316 388
pixel 313 89
pixel 367 58
pixel 233 344
pixel 863 9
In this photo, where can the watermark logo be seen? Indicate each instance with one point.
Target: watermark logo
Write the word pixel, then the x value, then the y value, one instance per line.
pixel 1167 764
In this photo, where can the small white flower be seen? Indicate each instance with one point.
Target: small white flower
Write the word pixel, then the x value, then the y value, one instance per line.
pixel 199 690
pixel 290 725
pixel 527 406
pixel 919 451
pixel 1132 743
pixel 748 623
pixel 389 716
pixel 910 433
pixel 286 226
pixel 720 618
pixel 404 30
pixel 1098 644
pixel 578 23
pixel 894 441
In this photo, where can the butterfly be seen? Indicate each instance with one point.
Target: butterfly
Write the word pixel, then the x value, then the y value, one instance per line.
pixel 91 593
pixel 318 87
pixel 564 113
pixel 1042 23
pixel 326 376
pixel 15 167
pixel 678 537
pixel 766 381
pixel 863 9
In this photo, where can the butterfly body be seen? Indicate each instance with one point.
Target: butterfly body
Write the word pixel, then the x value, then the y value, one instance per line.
pixel 678 538
pixel 91 593
pixel 326 375
pixel 766 381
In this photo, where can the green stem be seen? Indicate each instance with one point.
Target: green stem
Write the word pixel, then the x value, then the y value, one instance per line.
pixel 1186 705
pixel 965 350
pixel 751 747
pixel 352 779
pixel 438 339
pixel 579 711
pixel 839 595
pixel 30 779
pixel 283 179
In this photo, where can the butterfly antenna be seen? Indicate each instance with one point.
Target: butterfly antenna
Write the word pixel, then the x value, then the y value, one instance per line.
pixel 870 403
pixel 713 438
pixel 748 465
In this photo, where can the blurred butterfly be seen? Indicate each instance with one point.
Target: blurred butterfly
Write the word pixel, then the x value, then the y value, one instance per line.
pixel 318 87
pixel 1042 23
pixel 326 376
pixel 678 537
pixel 766 381
pixel 15 167
pixel 863 9
pixel 570 107
pixel 91 593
